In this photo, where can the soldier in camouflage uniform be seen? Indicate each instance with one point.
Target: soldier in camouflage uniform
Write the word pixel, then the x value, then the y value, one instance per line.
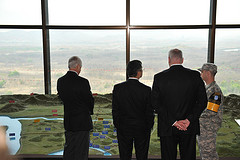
pixel 210 121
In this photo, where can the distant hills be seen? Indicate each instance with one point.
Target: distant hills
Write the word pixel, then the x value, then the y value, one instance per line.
pixel 104 55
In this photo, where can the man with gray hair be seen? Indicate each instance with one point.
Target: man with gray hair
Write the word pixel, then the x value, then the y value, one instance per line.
pixel 179 97
pixel 211 118
pixel 74 61
pixel 75 92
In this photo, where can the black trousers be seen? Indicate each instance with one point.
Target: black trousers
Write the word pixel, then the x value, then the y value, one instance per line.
pixel 187 146
pixel 76 145
pixel 125 144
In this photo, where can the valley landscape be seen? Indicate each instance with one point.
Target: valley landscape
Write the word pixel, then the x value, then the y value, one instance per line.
pixel 103 54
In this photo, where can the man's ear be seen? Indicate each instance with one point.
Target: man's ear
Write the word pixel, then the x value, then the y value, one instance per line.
pixel 209 74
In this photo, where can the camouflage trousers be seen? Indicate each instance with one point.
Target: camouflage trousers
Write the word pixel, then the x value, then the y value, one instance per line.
pixel 207 143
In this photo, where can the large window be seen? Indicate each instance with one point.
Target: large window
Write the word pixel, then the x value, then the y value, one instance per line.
pixel 228 12
pixel 21 62
pixel 102 53
pixel 87 12
pixel 152 46
pixel 118 31
pixel 170 12
pixel 20 12
pixel 227 59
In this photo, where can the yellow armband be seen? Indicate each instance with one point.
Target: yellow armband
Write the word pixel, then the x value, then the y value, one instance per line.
pixel 214 102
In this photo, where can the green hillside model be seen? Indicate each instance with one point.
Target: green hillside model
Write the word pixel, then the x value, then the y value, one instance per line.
pixel 42 131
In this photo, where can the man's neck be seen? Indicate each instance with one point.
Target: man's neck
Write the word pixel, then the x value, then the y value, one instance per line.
pixel 209 81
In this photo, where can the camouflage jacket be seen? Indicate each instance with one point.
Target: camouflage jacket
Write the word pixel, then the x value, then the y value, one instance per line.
pixel 210 117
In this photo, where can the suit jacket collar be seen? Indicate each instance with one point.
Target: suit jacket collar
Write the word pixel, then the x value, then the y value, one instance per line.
pixel 176 66
pixel 133 80
pixel 72 73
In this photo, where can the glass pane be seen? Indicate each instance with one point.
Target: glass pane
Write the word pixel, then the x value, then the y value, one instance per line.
pixel 227 59
pixel 20 12
pixel 87 12
pixel 152 46
pixel 228 12
pixel 160 12
pixel 21 62
pixel 102 52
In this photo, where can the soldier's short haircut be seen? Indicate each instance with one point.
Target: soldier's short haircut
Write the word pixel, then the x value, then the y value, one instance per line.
pixel 133 67
pixel 74 61
pixel 175 53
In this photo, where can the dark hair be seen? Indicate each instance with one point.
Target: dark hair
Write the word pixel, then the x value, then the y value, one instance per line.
pixel 133 67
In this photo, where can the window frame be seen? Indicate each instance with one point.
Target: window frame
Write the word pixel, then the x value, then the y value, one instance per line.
pixel 45 27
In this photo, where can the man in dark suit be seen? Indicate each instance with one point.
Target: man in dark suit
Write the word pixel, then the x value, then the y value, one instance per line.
pixel 179 97
pixel 133 113
pixel 78 102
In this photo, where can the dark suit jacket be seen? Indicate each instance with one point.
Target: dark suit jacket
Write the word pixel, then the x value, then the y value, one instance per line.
pixel 131 107
pixel 178 93
pixel 78 102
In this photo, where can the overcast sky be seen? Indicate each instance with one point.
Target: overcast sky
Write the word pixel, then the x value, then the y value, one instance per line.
pixel 112 12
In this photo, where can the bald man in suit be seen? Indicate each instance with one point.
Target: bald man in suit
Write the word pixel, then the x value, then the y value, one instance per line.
pixel 179 97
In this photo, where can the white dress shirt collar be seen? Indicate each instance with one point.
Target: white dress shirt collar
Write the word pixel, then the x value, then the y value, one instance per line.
pixel 176 65
pixel 133 78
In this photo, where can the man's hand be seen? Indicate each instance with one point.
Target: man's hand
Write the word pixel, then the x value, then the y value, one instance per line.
pixel 182 124
pixel 179 125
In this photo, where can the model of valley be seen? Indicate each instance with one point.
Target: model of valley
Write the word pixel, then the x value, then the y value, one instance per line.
pixel 34 125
